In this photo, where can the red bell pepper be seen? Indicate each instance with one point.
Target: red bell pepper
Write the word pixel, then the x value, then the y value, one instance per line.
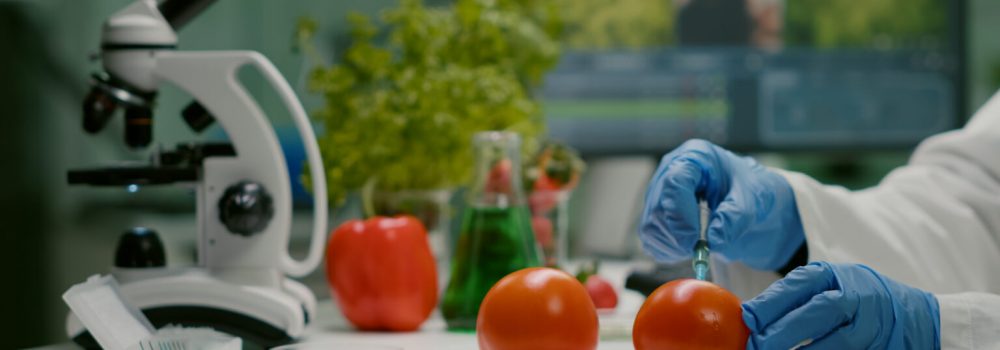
pixel 382 273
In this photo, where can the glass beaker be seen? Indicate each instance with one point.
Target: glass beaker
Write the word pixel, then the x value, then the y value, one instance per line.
pixel 550 221
pixel 496 237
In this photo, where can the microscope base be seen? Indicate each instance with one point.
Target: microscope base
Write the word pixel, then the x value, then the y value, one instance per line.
pixel 263 316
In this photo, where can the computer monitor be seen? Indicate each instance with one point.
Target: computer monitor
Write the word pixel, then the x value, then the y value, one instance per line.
pixel 642 76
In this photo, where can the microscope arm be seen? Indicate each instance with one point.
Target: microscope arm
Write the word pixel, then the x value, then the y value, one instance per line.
pixel 316 170
pixel 211 78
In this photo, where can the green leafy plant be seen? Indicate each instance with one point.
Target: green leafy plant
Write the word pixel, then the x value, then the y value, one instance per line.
pixel 615 25
pixel 400 112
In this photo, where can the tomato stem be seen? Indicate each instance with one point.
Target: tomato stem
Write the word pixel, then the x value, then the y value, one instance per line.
pixel 588 269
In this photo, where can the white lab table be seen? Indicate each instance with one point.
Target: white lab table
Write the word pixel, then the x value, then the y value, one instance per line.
pixel 615 326
pixel 332 328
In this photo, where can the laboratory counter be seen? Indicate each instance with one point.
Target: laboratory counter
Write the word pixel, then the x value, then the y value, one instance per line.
pixel 615 325
pixel 332 329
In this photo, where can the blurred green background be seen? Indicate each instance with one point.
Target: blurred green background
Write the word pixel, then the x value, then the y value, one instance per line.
pixel 54 235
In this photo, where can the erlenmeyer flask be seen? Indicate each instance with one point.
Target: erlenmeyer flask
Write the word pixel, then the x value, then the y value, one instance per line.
pixel 496 237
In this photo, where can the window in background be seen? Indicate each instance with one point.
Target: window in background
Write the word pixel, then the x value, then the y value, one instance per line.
pixel 640 76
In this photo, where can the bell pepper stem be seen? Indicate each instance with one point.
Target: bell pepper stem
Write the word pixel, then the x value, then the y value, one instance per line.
pixel 368 198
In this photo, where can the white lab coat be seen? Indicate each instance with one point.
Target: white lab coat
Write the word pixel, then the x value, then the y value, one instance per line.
pixel 933 224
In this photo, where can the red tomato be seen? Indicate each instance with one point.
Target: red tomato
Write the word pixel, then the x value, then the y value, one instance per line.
pixel 690 314
pixel 537 308
pixel 543 231
pixel 498 179
pixel 544 183
pixel 601 292
pixel 542 202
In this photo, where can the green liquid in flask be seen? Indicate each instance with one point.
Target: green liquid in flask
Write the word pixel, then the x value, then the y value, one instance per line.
pixel 493 243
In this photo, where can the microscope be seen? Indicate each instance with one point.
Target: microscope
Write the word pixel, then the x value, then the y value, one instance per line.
pixel 241 283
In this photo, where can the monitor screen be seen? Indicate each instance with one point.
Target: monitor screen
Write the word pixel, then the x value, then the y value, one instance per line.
pixel 641 76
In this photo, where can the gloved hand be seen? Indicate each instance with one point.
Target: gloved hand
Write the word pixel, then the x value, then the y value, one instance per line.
pixel 754 218
pixel 842 306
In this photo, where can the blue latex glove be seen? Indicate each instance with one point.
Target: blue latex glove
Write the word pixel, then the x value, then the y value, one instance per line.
pixel 754 218
pixel 842 306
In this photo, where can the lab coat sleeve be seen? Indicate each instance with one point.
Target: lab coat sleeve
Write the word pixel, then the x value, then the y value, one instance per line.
pixel 969 321
pixel 933 224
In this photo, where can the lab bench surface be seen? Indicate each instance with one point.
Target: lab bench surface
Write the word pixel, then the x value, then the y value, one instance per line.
pixel 615 326
pixel 330 327
pixel 615 334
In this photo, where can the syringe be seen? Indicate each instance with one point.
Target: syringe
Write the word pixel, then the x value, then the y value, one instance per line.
pixel 700 261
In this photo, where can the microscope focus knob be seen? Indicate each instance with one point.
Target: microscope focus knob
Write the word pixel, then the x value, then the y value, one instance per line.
pixel 246 208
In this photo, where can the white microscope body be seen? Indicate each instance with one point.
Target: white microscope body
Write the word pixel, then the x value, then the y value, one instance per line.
pixel 240 283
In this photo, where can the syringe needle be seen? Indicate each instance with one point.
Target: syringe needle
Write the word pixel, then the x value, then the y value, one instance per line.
pixel 700 261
